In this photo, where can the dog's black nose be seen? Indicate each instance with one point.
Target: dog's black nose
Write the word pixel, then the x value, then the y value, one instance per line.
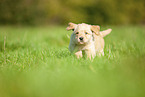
pixel 81 38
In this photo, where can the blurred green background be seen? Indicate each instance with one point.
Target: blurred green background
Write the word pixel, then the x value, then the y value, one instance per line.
pixel 42 12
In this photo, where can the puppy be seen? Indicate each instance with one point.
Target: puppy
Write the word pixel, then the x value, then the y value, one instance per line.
pixel 87 38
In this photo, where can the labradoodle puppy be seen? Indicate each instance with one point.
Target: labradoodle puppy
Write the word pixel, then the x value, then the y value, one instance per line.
pixel 87 38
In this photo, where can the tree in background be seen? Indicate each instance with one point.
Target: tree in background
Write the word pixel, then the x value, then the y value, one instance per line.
pixel 40 12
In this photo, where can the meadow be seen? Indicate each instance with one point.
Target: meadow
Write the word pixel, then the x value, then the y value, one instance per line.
pixel 35 62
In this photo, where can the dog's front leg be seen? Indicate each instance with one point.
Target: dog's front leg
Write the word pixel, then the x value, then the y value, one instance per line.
pixel 90 54
pixel 101 53
pixel 79 54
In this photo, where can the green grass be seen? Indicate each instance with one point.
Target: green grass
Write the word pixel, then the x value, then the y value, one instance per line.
pixel 37 63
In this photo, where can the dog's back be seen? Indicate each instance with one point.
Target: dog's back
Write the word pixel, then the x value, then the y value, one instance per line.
pixel 99 41
pixel 99 44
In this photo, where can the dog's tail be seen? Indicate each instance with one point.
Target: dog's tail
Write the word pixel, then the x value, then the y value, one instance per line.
pixel 105 32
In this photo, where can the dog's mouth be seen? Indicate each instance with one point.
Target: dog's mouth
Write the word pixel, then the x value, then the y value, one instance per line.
pixel 81 42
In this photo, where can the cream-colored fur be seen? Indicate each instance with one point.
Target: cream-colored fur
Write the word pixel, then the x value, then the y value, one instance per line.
pixel 87 38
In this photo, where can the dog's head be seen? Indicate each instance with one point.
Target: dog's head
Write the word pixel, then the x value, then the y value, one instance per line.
pixel 82 32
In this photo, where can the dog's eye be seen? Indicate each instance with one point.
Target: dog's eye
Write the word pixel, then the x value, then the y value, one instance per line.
pixel 86 33
pixel 77 32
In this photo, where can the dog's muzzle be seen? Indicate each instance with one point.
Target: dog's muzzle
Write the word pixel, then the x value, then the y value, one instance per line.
pixel 81 38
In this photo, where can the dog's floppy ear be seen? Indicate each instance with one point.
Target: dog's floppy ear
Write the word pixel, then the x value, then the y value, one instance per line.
pixel 95 29
pixel 71 26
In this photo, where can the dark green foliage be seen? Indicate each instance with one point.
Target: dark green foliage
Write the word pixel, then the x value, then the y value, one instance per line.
pixel 63 11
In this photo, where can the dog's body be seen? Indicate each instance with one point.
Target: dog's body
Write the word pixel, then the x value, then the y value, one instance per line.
pixel 87 38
